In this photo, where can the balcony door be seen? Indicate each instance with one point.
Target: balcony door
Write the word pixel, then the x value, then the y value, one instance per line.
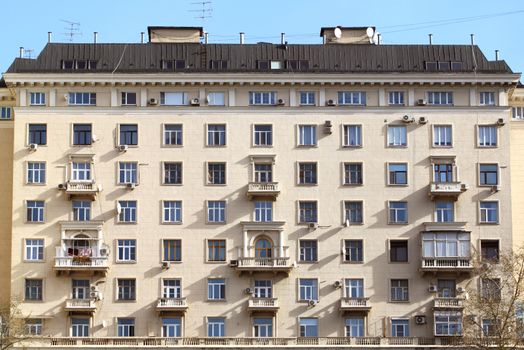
pixel 80 246
pixel 446 288
pixel 263 248
pixel 80 289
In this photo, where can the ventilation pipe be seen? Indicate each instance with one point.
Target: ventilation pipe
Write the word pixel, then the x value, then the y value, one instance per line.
pixel 95 37
pixel 496 55
pixel 241 38
pixel 21 51
pixel 142 37
pixel 472 39
pixel 206 38
pixel 282 38
pixel 430 39
pixel 49 36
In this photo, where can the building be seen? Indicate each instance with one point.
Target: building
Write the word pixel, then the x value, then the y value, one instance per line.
pixel 517 162
pixel 304 193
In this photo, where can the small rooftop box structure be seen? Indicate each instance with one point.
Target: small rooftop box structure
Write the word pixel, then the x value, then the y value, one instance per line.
pixel 346 35
pixel 175 34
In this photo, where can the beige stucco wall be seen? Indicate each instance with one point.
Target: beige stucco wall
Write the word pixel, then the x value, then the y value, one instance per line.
pixel 517 170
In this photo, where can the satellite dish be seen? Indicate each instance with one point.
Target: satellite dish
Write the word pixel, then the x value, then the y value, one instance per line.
pixel 374 39
pixel 338 33
pixel 370 31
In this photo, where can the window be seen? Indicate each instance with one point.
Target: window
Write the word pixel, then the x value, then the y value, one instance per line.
pixel 128 173
pixel 307 211
pixel 33 326
pixel 33 289
pixel 172 173
pixel 398 251
pixel 216 211
pixel 82 99
pixel 352 135
pixel 444 66
pixel 173 134
pixel 308 327
pixel 294 65
pixel 487 136
pixel 263 289
pixel 263 135
pixel 263 173
pixel 216 250
pixel 352 98
pixel 431 66
pixel 354 326
pixel 79 327
pixel 446 288
pixel 171 289
pixel 173 64
pixel 442 136
pixel 398 212
pixel 396 98
pixel 257 98
pixel 80 289
pixel 263 211
pixel 307 173
pixel 397 136
pixel 308 250
pixel 448 323
pixel 5 113
pixel 81 210
pixel 172 211
pixel 443 173
pixel 489 328
pixel 487 98
pixel 399 290
pixel 216 173
pixel 516 113
pixel 216 99
pixel 126 289
pixel 36 172
pixel 308 289
pixel 171 327
pixel 262 327
pixel 490 288
pixel 80 171
pixel 440 98
pixel 489 212
pixel 353 251
pixel 307 135
pixel 218 64
pixel 352 173
pixel 129 134
pixel 399 328
pixel 216 327
pixel 82 134
pixel 174 98
pixel 488 174
pixel 79 64
pixel 38 134
pixel 35 211
pixel 37 99
pixel 128 98
pixel 216 134
pixel 397 174
pixel 34 249
pixel 307 98
pixel 126 250
pixel 489 250
pixel 127 211
pixel 216 289
pixel 444 211
pixel 354 288
pixel 172 250
pixel 263 248
pixel 353 212
pixel 446 245
pixel 126 327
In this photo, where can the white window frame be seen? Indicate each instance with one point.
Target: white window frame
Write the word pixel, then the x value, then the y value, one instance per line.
pixel 262 98
pixel 213 98
pixel 222 134
pixel 395 212
pixel 487 98
pixel 263 211
pixel 132 212
pixel 34 249
pixel 354 288
pixel 213 294
pixel 125 98
pixel 173 134
pixel 310 292
pixel 126 329
pixel 307 326
pixel 216 326
pixel 82 98
pixel 128 250
pixel 440 214
pixel 40 211
pixel 34 326
pixel 37 98
pixel 442 133
pixel 300 210
pixel 351 98
pixel 6 113
pixel 398 290
pixel 309 253
pixel 396 98
pixel 440 98
pixel 309 98
pixel 347 174
pixel 389 171
pixel 165 171
pixel 448 315
pixel 442 244
pixel 129 170
pixel 174 98
pixel 84 327
pixel 348 212
pixel 405 326
pixel 216 214
pixel 303 130
pixel 348 327
pixel 37 173
pixel 490 139
pixel 130 289
pixel 517 113
pixel 169 290
pixel 82 212
pixel 346 135
pixel 262 135
pixel 171 211
pixel 397 136
pixel 81 171
pixel 347 251
pixel 210 183
pixel 484 213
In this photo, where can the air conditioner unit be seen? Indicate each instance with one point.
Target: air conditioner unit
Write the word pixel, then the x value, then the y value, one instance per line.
pixel 123 148
pixel 248 291
pixel 166 265
pixel 408 119
pixel 331 103
pixel 420 319
pixel 103 252
pixel 66 97
pixel 461 289
pixel 432 288
pixel 32 147
pixel 94 138
pixel 62 186
pixel 131 186
pixel 500 122
pixel 233 263
pixel 421 102
pixel 93 295
pixel 337 284
pixel 194 102
pixel 327 127
pixel 312 225
pixel 495 188
pixel 152 102
pixel 464 187
pixel 312 302
pixel 422 120
pixel 93 288
pixel 281 102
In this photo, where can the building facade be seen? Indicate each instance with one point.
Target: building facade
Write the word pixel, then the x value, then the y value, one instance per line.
pixel 175 189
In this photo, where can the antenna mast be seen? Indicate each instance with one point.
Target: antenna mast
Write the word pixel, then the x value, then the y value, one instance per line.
pixel 205 11
pixel 73 29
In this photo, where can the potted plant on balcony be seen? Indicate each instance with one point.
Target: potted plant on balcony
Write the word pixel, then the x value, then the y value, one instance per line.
pixel 81 259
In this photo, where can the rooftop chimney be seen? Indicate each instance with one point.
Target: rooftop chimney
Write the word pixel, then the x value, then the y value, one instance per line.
pixel 21 51
pixel 175 34
pixel 49 36
pixel 496 55
pixel 241 38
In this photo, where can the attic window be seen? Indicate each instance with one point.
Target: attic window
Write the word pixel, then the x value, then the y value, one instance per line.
pixel 269 64
pixel 79 64
pixel 456 65
pixel 218 64
pixel 431 66
pixel 173 64
pixel 444 66
pixel 297 64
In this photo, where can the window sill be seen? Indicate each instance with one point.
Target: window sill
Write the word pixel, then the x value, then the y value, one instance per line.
pixel 171 222
pixel 127 223
pixel 34 261
pixel 353 185
pixel 398 262
pixel 397 185
pixel 168 184
pixel 124 262
pixel 216 223
pixel 172 146
pixel 352 147
pixel 353 262
pixel 216 262
pixel 399 301
pixel 217 300
pixel 210 184
pixel 35 184
pixel 398 223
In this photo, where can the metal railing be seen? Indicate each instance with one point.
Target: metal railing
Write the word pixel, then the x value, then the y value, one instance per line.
pixel 84 262
pixel 264 262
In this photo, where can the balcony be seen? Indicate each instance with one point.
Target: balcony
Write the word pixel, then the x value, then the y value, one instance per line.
pixel 447 264
pixel 263 190
pixel 355 304
pixel 448 304
pixel 262 265
pixel 263 304
pixel 80 305
pixel 82 189
pixel 172 304
pixel 446 189
pixel 74 263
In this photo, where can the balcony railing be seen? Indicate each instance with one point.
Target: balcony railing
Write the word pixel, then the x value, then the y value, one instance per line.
pixel 355 304
pixel 263 304
pixel 262 264
pixel 447 264
pixel 88 305
pixel 82 263
pixel 263 189
pixel 78 188
pixel 446 189
pixel 172 304
pixel 448 303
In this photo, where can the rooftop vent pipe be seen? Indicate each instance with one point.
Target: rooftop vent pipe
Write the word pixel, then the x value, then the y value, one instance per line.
pixel 496 55
pixel 21 51
pixel 49 36
pixel 282 38
pixel 95 36
pixel 430 39
pixel 142 37
pixel 472 39
pixel 241 38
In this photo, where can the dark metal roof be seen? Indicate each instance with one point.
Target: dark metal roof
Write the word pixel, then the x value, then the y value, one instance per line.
pixel 337 58
pixel 2 83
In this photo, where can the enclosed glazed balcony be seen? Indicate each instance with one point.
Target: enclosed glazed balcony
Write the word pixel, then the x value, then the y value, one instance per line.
pixel 355 304
pixel 80 305
pixel 263 304
pixel 448 303
pixel 263 190
pixel 172 304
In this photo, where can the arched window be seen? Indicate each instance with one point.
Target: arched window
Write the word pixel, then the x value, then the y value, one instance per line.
pixel 263 248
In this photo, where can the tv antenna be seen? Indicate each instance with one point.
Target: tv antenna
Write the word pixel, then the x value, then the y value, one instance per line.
pixel 73 29
pixel 28 53
pixel 205 11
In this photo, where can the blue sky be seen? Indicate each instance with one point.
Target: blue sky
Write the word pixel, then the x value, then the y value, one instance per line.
pixel 496 24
